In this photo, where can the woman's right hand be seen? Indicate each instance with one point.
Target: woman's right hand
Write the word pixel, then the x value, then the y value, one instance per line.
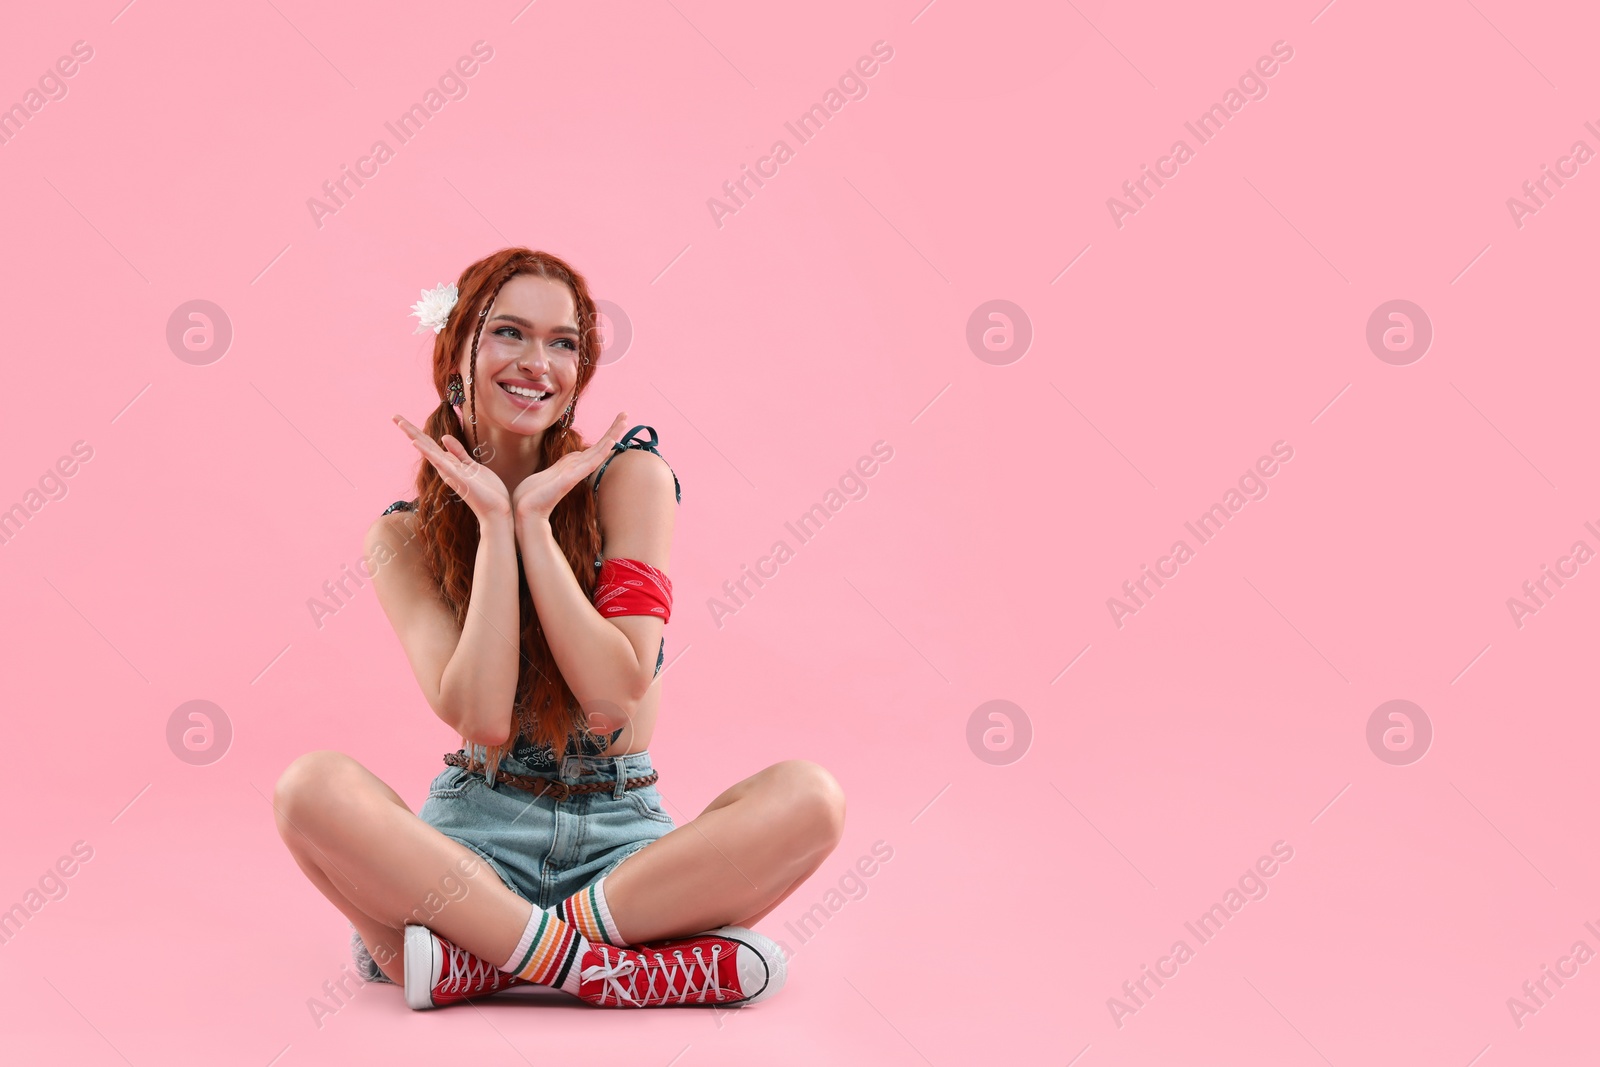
pixel 473 482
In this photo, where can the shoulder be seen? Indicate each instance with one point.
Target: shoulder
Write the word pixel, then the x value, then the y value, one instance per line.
pixel 640 468
pixel 636 461
pixel 637 482
pixel 392 534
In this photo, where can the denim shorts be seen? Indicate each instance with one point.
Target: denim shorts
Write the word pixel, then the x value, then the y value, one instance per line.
pixel 543 849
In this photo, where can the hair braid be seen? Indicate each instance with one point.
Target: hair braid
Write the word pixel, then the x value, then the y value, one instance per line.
pixel 483 316
pixel 544 710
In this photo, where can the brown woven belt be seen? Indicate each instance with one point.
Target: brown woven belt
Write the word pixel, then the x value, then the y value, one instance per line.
pixel 551 786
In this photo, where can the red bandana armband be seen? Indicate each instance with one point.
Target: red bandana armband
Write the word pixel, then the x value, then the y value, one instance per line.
pixel 632 587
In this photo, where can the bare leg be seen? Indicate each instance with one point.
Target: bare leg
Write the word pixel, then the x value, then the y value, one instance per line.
pixel 764 912
pixel 383 867
pixel 384 943
pixel 751 847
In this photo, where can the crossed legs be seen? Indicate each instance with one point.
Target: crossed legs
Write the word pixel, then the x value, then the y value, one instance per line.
pixel 739 859
pixel 381 865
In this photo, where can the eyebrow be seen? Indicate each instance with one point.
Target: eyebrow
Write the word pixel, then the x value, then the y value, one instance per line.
pixel 520 321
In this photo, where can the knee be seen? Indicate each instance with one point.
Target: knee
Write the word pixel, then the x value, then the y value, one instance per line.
pixel 308 788
pixel 815 798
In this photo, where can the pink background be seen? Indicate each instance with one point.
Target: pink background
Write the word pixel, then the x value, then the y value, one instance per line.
pixel 830 313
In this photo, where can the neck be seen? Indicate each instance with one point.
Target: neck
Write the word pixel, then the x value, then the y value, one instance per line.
pixel 512 456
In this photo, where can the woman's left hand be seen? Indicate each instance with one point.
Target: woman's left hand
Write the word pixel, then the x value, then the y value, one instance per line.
pixel 537 495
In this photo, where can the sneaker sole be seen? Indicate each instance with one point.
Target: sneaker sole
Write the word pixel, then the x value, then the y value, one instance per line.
pixel 763 968
pixel 419 967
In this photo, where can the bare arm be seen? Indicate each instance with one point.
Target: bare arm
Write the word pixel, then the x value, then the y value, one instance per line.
pixel 609 664
pixel 467 673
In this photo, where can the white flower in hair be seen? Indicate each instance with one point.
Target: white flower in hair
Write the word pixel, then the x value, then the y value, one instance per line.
pixel 434 307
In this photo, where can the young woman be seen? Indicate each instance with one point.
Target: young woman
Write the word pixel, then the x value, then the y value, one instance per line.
pixel 527 584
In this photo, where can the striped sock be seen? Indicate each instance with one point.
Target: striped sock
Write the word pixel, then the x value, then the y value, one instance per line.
pixel 586 909
pixel 548 953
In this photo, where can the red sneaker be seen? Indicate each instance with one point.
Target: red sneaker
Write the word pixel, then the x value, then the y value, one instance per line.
pixel 729 965
pixel 439 973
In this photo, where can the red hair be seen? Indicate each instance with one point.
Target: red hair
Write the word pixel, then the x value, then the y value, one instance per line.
pixel 545 710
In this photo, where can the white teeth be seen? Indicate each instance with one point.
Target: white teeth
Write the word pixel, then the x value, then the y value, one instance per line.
pixel 520 391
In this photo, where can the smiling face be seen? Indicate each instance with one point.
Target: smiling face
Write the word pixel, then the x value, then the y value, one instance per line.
pixel 528 356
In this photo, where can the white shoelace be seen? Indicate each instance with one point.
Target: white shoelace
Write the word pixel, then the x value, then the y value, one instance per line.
pixel 468 973
pixel 622 976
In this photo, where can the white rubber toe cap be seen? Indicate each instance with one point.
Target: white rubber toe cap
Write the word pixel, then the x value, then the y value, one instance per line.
pixel 761 964
pixel 423 960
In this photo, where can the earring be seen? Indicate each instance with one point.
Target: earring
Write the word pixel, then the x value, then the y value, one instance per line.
pixel 452 391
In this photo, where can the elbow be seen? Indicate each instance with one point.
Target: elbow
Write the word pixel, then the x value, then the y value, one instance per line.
pixel 609 714
pixel 477 730
pixel 619 704
pixel 489 738
pixel 633 699
pixel 488 734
